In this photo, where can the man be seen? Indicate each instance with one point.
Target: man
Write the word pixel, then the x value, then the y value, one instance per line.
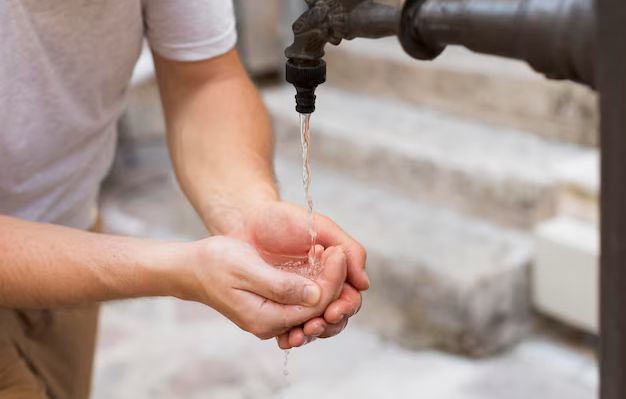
pixel 64 71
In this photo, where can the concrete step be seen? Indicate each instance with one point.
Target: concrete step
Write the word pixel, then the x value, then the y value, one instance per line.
pixel 502 92
pixel 565 277
pixel 500 174
pixel 580 188
pixel 166 348
pixel 439 279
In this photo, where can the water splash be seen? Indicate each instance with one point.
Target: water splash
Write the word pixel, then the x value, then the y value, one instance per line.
pixel 302 266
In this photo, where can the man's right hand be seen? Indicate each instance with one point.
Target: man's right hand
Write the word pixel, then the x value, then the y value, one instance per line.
pixel 230 276
pixel 48 266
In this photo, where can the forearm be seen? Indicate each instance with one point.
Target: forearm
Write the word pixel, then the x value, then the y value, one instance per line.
pixel 220 138
pixel 44 265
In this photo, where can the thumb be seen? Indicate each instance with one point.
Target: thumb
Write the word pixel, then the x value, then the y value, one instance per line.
pixel 333 274
pixel 281 287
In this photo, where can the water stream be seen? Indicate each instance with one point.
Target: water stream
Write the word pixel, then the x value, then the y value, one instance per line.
pixel 309 268
pixel 305 139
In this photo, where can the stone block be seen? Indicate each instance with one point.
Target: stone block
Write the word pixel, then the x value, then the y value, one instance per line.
pixel 501 92
pixel 503 175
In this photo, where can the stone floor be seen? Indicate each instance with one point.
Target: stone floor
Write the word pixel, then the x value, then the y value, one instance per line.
pixel 164 348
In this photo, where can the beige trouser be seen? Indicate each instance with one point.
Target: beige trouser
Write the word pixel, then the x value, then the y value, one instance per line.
pixel 47 354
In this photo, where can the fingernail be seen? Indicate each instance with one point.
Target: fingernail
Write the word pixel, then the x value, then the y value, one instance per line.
pixel 311 294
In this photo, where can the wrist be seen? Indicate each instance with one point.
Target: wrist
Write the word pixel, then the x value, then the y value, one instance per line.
pixel 192 276
pixel 226 214
pixel 169 271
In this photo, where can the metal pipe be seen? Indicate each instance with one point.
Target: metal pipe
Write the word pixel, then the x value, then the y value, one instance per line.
pixel 372 20
pixel 555 37
pixel 612 88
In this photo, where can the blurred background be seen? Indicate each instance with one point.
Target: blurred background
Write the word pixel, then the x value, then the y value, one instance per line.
pixel 472 182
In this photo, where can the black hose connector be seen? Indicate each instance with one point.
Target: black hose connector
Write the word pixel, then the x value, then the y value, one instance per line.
pixel 305 76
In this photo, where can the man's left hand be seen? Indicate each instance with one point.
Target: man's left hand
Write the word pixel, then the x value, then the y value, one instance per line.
pixel 281 229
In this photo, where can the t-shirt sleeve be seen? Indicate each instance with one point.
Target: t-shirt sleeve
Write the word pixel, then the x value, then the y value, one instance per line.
pixel 189 30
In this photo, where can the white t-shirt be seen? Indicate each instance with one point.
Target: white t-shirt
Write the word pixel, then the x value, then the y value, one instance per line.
pixel 64 72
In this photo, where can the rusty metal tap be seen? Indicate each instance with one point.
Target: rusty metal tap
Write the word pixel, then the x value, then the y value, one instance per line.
pixel 556 37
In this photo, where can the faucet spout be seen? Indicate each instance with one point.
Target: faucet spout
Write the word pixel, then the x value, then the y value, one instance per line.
pixel 331 21
pixel 556 38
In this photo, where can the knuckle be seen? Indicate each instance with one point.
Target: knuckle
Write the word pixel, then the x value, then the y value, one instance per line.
pixel 240 274
pixel 285 289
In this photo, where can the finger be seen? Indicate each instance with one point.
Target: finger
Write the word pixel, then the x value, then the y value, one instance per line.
pixel 330 234
pixel 273 319
pixel 283 341
pixel 315 327
pixel 297 337
pixel 279 286
pixel 283 228
pixel 332 273
pixel 330 280
pixel 347 305
pixel 334 329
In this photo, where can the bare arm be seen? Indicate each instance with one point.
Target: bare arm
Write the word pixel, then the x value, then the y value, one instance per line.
pixel 221 145
pixel 219 136
pixel 43 265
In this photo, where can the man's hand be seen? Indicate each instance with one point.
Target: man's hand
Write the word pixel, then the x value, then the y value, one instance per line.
pixel 278 228
pixel 229 275
pixel 60 266
pixel 220 140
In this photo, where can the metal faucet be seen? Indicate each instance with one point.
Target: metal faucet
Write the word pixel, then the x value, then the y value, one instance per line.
pixel 556 37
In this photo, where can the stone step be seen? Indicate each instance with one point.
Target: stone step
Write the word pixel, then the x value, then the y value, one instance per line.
pixel 580 188
pixel 495 90
pixel 500 174
pixel 439 278
pixel 166 348
pixel 565 274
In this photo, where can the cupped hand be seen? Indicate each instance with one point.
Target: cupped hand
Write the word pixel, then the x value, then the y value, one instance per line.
pixel 229 275
pixel 280 228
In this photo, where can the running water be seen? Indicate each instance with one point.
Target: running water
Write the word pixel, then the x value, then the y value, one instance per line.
pixel 309 268
pixel 305 138
pixel 286 365
pixel 286 385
